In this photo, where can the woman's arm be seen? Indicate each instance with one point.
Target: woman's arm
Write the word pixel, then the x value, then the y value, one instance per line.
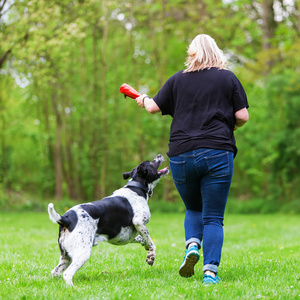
pixel 148 103
pixel 241 117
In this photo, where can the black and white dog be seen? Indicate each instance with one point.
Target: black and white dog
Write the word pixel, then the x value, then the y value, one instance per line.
pixel 118 219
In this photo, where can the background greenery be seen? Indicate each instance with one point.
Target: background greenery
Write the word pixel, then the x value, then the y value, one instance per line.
pixel 67 132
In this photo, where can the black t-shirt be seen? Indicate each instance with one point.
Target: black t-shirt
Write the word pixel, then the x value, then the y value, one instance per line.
pixel 202 104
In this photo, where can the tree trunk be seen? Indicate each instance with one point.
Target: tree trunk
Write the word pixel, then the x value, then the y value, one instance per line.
pixel 297 8
pixel 268 27
pixel 49 163
pixel 104 156
pixel 5 178
pixel 4 57
pixel 95 143
pixel 70 172
pixel 57 149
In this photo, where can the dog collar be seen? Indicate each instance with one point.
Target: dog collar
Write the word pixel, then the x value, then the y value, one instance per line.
pixel 138 185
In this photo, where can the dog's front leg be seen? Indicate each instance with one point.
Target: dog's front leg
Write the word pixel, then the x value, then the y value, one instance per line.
pixel 140 240
pixel 149 245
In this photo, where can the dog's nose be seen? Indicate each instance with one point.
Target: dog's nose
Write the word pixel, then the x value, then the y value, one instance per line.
pixel 159 157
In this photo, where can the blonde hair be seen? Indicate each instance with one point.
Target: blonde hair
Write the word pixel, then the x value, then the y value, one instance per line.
pixel 204 53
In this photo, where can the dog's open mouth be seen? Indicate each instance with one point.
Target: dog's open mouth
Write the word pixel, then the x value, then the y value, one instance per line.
pixel 163 171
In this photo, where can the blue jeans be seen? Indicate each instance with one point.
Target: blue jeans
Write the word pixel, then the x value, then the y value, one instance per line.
pixel 202 178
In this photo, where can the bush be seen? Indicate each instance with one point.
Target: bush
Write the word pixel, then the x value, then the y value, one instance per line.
pixel 252 206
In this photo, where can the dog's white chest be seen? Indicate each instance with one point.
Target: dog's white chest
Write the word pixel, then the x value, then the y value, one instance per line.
pixel 139 205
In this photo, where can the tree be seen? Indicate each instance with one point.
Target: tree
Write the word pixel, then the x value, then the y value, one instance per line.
pixel 68 120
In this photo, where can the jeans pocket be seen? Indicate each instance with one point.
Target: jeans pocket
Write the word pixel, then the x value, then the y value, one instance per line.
pixel 178 171
pixel 219 165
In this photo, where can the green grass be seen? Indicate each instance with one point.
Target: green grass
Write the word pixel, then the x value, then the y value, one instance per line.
pixel 260 260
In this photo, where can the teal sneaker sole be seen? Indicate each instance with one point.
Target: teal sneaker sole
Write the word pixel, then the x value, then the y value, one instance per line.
pixel 187 267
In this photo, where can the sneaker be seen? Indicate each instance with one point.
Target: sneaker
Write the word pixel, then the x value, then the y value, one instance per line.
pixel 191 258
pixel 208 279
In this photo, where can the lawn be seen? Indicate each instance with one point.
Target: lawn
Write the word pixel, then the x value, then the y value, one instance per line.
pixel 260 260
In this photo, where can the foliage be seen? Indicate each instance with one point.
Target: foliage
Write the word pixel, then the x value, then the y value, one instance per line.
pixel 260 260
pixel 66 130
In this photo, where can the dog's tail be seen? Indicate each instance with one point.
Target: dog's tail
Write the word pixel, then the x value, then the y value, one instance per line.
pixel 53 215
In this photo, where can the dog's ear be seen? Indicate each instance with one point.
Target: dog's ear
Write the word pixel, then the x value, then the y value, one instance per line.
pixel 126 175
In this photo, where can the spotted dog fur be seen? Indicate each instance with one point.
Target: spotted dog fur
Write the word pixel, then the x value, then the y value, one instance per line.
pixel 118 219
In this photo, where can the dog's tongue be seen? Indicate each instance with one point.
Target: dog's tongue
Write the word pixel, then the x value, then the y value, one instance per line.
pixel 163 171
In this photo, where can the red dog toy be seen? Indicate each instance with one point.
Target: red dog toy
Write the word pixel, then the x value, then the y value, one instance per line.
pixel 129 91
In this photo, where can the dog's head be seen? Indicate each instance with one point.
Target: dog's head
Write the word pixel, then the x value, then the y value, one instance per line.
pixel 147 173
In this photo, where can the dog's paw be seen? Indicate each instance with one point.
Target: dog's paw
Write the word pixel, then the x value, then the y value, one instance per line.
pixel 55 273
pixel 150 258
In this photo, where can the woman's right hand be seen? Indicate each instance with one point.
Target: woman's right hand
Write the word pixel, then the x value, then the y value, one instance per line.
pixel 146 102
pixel 140 100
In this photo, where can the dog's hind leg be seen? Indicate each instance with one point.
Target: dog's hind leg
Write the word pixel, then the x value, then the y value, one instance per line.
pixel 64 262
pixel 78 245
pixel 78 260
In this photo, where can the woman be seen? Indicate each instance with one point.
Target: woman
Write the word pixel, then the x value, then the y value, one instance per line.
pixel 207 103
